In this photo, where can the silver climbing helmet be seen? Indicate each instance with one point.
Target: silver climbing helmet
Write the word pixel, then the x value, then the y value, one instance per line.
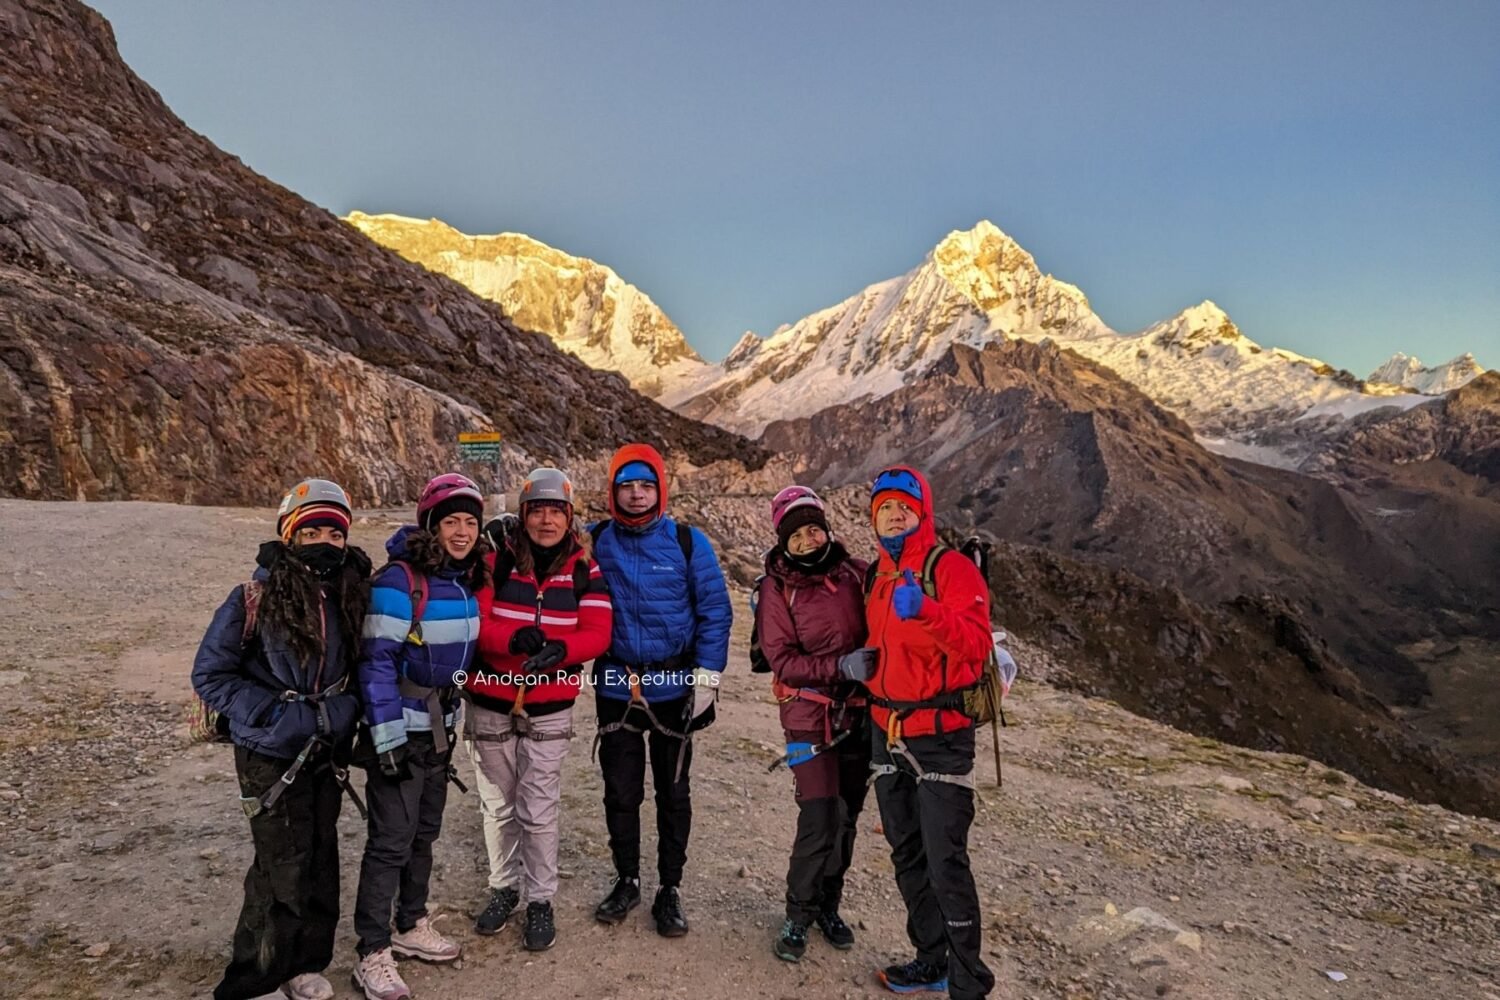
pixel 547 484
pixel 311 503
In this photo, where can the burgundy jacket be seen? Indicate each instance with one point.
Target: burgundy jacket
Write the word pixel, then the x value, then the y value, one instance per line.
pixel 805 624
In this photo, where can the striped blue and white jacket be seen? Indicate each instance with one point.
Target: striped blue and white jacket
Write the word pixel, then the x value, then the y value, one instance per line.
pixel 450 635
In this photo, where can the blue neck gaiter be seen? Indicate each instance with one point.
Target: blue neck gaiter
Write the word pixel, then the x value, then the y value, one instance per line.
pixel 894 544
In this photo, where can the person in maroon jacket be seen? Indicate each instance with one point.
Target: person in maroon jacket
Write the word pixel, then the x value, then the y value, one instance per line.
pixel 810 621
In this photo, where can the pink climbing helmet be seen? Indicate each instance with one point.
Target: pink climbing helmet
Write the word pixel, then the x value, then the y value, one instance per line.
pixel 448 486
pixel 790 499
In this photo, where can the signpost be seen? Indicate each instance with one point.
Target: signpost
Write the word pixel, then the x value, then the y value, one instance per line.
pixel 483 448
pixel 479 446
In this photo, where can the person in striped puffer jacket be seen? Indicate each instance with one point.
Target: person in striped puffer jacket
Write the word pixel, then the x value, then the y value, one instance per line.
pixel 548 614
pixel 418 643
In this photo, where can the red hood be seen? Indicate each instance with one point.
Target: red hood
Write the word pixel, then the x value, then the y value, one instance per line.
pixel 638 453
pixel 924 537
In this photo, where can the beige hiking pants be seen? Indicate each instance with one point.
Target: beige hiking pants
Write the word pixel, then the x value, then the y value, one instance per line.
pixel 520 788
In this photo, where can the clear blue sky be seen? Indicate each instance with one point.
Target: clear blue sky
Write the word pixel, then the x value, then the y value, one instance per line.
pixel 1328 172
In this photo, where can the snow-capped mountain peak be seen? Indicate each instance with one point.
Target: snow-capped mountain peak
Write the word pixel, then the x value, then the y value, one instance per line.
pixel 1409 373
pixel 584 306
pixel 1198 327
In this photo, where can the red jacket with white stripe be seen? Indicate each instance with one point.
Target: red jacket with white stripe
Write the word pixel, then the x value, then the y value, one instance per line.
pixel 582 622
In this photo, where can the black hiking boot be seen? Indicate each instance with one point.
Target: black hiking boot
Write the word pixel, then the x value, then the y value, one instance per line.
pixel 792 944
pixel 914 977
pixel 836 931
pixel 670 920
pixel 497 911
pixel 624 896
pixel 540 931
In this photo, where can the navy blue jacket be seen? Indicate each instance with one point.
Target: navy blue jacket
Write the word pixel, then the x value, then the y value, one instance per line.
pixel 244 682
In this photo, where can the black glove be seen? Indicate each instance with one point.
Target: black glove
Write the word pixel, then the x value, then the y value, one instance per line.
pixel 547 659
pixel 393 763
pixel 528 641
pixel 858 665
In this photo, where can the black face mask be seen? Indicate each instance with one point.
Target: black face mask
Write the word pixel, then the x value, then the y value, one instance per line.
pixel 322 558
pixel 815 561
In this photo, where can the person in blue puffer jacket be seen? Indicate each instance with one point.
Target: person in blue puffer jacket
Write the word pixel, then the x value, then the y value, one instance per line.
pixel 275 664
pixel 659 681
pixel 411 667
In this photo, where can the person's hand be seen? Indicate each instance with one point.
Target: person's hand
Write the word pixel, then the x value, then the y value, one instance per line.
pixel 858 665
pixel 705 699
pixel 548 657
pixel 528 641
pixel 909 598
pixel 394 764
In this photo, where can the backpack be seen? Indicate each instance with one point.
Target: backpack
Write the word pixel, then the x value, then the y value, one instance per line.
pixel 416 590
pixel 205 725
pixel 760 663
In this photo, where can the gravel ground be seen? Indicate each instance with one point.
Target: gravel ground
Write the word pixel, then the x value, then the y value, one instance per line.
pixel 1121 859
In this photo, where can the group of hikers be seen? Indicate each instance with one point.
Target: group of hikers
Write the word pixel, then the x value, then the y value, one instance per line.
pixel 482 633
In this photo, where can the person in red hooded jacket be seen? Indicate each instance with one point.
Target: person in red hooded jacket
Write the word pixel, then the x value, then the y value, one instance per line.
pixel 921 649
pixel 548 612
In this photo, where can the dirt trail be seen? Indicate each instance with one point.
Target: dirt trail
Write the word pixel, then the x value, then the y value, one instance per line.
pixel 1272 871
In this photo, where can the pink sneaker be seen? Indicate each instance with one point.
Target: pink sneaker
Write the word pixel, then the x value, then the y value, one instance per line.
pixel 308 986
pixel 423 941
pixel 376 975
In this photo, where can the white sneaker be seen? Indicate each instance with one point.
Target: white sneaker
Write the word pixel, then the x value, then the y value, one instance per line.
pixel 376 974
pixel 308 986
pixel 423 941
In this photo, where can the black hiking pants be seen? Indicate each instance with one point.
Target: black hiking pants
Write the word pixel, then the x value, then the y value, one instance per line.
pixel 406 817
pixel 291 906
pixel 622 759
pixel 927 825
pixel 830 796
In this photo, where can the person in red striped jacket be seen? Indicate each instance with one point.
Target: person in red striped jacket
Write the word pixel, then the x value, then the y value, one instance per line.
pixel 548 613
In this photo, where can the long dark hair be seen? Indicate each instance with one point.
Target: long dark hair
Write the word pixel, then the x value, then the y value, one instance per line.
pixel 290 603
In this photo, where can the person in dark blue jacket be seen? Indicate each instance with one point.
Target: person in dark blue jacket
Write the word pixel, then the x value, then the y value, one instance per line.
pixel 419 641
pixel 659 681
pixel 275 663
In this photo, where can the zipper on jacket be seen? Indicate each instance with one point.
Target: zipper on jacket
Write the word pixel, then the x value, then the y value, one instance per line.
pixel 323 632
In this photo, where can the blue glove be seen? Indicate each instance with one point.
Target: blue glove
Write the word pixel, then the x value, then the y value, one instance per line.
pixel 799 753
pixel 909 598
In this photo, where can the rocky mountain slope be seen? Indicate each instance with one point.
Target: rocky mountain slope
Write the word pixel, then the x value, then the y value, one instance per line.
pixel 1038 446
pixel 174 326
pixel 1250 668
pixel 585 307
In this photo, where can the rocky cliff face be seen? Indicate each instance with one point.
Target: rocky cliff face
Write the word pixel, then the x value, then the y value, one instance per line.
pixel 177 327
pixel 1461 429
